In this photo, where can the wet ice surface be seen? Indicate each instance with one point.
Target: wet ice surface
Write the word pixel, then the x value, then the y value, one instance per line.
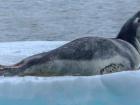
pixel 63 19
pixel 111 89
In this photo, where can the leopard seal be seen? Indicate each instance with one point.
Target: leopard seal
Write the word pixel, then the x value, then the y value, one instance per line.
pixel 86 56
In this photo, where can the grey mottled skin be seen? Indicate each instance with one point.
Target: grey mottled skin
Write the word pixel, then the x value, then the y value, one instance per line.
pixel 86 56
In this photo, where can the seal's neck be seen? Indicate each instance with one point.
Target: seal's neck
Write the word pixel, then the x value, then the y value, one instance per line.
pixel 130 34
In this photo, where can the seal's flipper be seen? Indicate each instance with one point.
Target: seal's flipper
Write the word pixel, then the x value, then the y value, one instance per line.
pixel 8 70
pixel 112 68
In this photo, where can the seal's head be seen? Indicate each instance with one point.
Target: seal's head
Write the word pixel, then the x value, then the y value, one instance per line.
pixel 130 31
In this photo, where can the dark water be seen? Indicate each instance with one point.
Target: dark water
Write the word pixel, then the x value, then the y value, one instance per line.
pixel 63 19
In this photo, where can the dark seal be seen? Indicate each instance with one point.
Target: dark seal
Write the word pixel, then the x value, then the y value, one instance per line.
pixel 86 56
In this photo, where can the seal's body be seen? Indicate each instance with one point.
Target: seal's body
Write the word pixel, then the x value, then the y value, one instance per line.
pixel 86 56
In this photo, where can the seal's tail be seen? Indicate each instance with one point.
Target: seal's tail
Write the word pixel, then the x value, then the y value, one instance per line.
pixel 3 70
pixel 7 70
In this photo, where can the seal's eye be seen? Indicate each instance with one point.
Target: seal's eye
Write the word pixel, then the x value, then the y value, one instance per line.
pixel 137 20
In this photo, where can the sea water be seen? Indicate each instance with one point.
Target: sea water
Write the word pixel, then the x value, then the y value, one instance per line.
pixel 22 20
pixel 112 89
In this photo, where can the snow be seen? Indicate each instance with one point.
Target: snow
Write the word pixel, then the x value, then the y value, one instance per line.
pixel 121 88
